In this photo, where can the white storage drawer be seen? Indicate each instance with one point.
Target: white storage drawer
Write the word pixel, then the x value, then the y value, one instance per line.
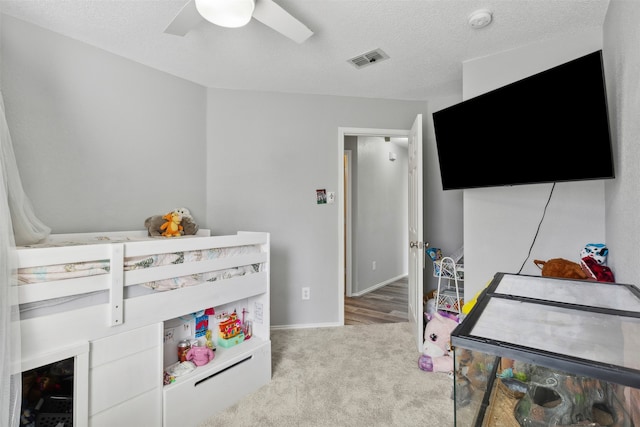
pixel 123 367
pixel 239 371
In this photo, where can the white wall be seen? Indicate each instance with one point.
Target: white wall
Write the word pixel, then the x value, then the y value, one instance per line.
pixel 101 142
pixel 500 223
pixel 622 68
pixel 382 218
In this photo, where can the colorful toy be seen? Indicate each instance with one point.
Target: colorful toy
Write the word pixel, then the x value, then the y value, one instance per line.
pixel 594 262
pixel 597 251
pixel 171 227
pixel 209 340
pixel 230 332
pixel 596 271
pixel 437 355
pixel 200 355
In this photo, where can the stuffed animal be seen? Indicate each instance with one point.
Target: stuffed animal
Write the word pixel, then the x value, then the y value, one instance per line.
pixel 597 251
pixel 184 213
pixel 594 262
pixel 437 355
pixel 171 227
pixel 188 225
pixel 153 224
pixel 596 271
pixel 560 267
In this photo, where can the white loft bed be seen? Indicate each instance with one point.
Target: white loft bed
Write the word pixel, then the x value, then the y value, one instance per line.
pixel 114 316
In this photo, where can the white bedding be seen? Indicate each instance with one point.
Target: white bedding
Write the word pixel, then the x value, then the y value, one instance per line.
pixel 73 270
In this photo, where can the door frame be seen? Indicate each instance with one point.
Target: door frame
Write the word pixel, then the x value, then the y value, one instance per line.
pixel 348 264
pixel 342 132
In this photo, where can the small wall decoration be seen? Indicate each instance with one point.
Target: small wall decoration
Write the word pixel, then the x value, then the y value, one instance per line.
pixel 321 196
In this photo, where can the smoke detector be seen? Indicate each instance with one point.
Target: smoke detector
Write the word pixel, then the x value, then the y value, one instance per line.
pixel 480 19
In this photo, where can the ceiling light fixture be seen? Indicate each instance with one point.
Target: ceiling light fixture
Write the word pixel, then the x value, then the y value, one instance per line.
pixel 226 13
pixel 480 18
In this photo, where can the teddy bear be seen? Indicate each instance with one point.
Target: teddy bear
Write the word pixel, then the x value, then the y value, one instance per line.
pixel 171 227
pixel 437 355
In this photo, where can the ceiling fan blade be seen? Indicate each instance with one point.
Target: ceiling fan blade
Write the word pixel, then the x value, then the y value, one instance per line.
pixel 272 15
pixel 185 20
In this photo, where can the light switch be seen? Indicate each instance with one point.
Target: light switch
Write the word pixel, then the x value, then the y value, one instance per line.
pixel 331 197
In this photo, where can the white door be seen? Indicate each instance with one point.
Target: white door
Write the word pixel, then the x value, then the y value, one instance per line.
pixel 416 245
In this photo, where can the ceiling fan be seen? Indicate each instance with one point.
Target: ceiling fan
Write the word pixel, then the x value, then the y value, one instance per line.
pixel 236 13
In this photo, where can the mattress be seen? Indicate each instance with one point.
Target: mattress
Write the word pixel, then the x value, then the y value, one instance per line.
pixel 55 272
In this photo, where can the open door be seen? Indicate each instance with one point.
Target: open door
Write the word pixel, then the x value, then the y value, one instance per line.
pixel 416 245
pixel 416 250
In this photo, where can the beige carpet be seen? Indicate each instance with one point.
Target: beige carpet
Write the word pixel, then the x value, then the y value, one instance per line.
pixel 360 375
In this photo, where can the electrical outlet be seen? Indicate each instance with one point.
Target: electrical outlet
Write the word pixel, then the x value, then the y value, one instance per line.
pixel 373 265
pixel 306 293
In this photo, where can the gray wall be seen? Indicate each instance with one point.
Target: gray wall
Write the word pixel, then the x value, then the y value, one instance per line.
pixel 381 222
pixel 267 154
pixel 101 142
pixel 442 209
pixel 622 195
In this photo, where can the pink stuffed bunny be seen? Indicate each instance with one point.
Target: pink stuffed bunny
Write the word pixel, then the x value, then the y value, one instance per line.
pixel 200 355
pixel 437 355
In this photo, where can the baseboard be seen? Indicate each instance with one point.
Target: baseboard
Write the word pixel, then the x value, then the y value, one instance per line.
pixel 379 285
pixel 306 326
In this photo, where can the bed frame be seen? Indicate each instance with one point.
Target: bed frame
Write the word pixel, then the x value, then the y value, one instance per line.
pixel 119 346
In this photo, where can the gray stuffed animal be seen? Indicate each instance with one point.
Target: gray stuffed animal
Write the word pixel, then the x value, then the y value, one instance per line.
pixel 153 224
pixel 188 225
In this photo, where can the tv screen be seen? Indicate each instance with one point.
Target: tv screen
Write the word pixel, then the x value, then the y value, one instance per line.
pixel 550 127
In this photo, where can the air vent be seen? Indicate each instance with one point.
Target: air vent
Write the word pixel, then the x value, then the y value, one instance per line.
pixel 368 58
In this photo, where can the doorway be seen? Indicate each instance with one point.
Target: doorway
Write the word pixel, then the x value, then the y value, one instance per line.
pixel 347 160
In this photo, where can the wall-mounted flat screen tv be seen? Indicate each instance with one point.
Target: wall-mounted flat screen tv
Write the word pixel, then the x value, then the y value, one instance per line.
pixel 550 127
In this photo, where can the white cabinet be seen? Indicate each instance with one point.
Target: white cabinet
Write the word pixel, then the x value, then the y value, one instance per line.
pixel 234 372
pixel 124 385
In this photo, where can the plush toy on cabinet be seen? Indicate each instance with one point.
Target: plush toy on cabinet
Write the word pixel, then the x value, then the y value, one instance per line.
pixel 437 355
pixel 153 224
pixel 187 226
pixel 171 227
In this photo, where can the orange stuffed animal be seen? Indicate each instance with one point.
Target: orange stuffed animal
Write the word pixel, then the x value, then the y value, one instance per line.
pixel 172 225
pixel 560 267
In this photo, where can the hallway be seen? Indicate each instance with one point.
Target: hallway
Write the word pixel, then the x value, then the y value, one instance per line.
pixel 385 305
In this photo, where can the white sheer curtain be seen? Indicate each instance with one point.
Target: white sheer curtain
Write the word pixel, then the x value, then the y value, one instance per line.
pixel 18 224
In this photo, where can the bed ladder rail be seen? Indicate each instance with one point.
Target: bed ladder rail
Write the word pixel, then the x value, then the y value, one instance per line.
pixel 116 293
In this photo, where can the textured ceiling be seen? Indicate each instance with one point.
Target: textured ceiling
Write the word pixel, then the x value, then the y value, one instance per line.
pixel 427 40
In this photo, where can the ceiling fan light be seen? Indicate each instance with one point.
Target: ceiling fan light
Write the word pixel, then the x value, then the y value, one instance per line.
pixel 226 13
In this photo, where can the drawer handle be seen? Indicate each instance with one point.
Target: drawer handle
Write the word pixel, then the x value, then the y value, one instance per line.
pixel 221 371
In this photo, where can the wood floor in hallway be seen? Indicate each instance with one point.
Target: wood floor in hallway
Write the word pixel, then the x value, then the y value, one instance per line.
pixel 385 305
